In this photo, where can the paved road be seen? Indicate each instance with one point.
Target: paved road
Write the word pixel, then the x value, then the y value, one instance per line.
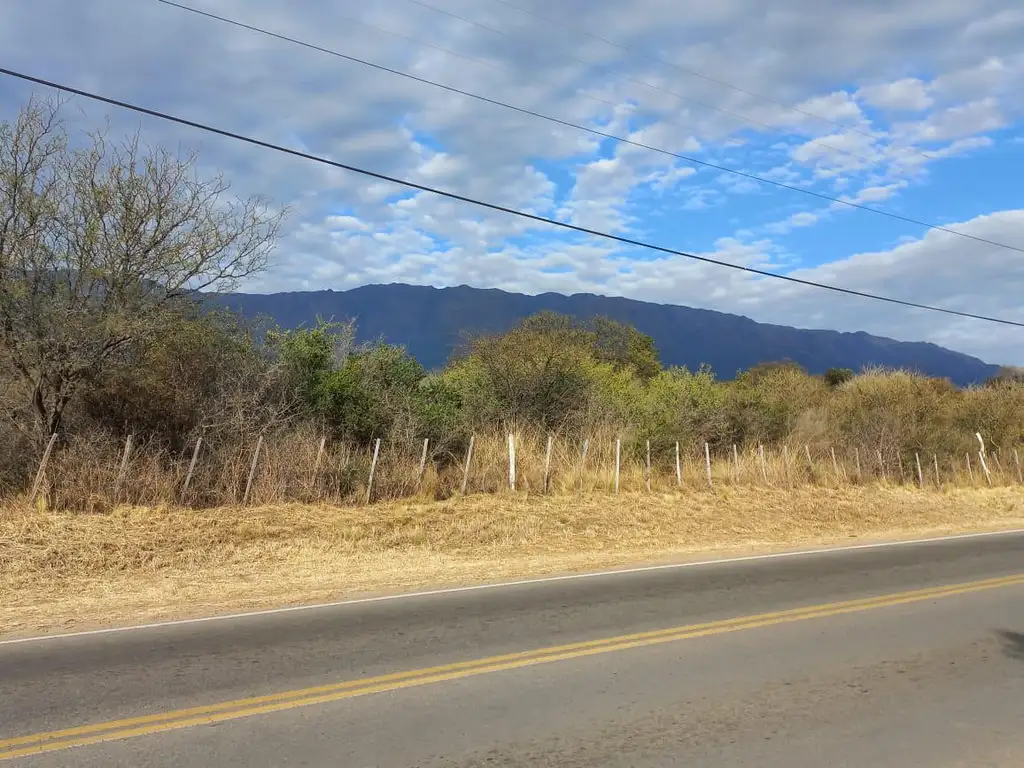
pixel 907 655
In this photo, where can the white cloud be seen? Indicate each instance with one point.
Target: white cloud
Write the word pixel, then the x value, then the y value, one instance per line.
pixel 826 59
pixel 908 95
pixel 796 221
pixel 960 121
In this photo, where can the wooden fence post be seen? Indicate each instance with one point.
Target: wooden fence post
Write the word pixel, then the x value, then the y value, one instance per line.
pixel 41 472
pixel 679 468
pixel 423 462
pixel 647 468
pixel 122 470
pixel 984 467
pixel 981 458
pixel 938 479
pixel 764 465
pixel 316 464
pixel 373 470
pixel 835 464
pixel 191 470
pixel 547 463
pixel 735 464
pixel 707 463
pixel 465 469
pixel 1020 474
pixel 252 470
pixel 583 462
pixel 618 462
pixel 920 476
pixel 511 461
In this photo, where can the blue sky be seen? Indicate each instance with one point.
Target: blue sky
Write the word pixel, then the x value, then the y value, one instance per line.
pixel 911 106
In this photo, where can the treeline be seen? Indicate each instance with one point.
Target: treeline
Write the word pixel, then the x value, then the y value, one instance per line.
pixel 210 376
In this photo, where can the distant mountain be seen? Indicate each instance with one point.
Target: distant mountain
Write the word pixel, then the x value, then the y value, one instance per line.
pixel 430 323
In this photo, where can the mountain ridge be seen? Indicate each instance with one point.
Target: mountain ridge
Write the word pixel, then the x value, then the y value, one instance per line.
pixel 430 322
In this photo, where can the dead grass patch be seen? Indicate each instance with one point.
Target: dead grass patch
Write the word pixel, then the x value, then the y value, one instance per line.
pixel 60 571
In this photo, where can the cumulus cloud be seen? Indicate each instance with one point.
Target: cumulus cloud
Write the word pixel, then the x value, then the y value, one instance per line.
pixel 810 95
pixel 906 95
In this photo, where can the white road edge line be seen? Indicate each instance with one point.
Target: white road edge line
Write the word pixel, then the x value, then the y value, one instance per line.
pixel 522 582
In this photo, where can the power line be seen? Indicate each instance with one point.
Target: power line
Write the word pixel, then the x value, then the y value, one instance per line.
pixel 645 84
pixel 688 71
pixel 593 131
pixel 483 204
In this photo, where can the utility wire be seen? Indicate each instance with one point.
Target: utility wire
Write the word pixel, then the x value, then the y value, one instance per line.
pixel 686 70
pixel 594 131
pixel 483 204
pixel 645 84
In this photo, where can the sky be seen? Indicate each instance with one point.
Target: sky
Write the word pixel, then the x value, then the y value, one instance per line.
pixel 912 107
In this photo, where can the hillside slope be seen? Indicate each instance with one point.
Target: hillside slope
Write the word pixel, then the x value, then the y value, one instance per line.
pixel 430 322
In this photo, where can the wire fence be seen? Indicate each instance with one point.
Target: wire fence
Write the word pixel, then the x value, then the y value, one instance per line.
pixel 313 469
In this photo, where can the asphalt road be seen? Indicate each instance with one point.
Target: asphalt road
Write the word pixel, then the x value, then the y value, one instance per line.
pixel 895 656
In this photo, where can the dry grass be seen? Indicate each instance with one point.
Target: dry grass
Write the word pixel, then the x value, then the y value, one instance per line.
pixel 63 570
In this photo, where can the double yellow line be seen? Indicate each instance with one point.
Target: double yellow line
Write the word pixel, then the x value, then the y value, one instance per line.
pixel 216 713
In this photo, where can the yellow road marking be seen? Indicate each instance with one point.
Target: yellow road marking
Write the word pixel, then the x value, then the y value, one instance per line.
pixel 214 713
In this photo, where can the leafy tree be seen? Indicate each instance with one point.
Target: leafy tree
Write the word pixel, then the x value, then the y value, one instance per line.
pixel 625 347
pixel 836 377
pixel 204 372
pixel 371 393
pixel 103 244
pixel 537 372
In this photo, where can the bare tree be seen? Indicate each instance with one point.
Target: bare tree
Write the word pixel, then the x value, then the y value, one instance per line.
pixel 100 242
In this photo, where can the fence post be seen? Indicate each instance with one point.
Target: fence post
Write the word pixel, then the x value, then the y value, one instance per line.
pixel 920 476
pixel 1020 474
pixel 647 468
pixel 981 458
pixel 423 462
pixel 764 466
pixel 252 470
pixel 42 467
pixel 735 464
pixel 373 470
pixel 465 469
pixel 707 463
pixel 511 461
pixel 679 468
pixel 122 470
pixel 785 462
pixel 583 462
pixel 938 480
pixel 835 464
pixel 547 463
pixel 191 470
pixel 618 462
pixel 881 465
pixel 316 464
